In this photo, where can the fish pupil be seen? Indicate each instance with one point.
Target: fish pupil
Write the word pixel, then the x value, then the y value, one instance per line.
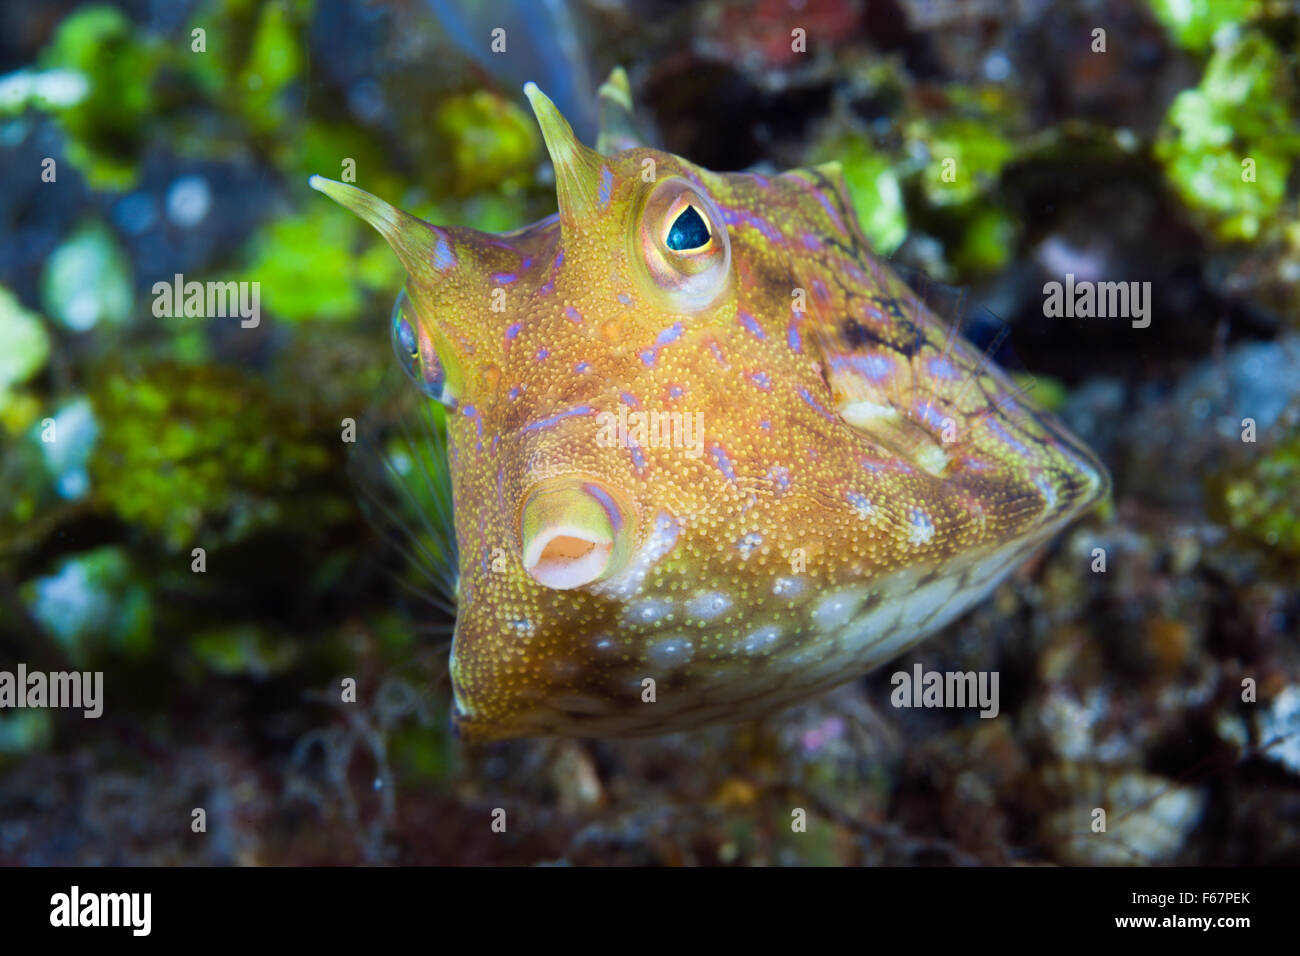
pixel 688 232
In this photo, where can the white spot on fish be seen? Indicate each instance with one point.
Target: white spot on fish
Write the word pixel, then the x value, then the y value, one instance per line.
pixel 862 506
pixel 708 605
pixel 787 587
pixel 926 600
pixel 749 543
pixel 922 531
pixel 762 640
pixel 672 652
pixel 836 610
pixel 649 611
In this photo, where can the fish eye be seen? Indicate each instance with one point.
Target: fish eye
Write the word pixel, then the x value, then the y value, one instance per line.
pixel 689 232
pixel 682 246
pixel 415 352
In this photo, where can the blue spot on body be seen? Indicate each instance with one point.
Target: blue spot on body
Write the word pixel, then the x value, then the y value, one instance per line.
pixel 878 368
pixel 930 415
pixel 942 368
pixel 638 459
pixel 861 504
pixel 670 334
pixel 807 396
pixel 544 423
pixel 793 338
pixel 443 258
pixel 997 428
pixel 722 461
pixel 606 185
pixel 748 322
pixel 667 336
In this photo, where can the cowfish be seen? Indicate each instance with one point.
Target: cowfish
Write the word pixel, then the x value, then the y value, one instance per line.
pixel 709 456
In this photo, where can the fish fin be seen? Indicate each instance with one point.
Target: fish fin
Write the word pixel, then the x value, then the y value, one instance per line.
pixel 401 469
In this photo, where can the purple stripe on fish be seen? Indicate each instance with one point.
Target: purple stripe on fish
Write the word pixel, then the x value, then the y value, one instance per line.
pixel 807 396
pixel 638 459
pixel 606 185
pixel 748 322
pixel 443 258
pixel 721 460
pixel 543 423
pixel 996 427
pixel 611 510
pixel 793 337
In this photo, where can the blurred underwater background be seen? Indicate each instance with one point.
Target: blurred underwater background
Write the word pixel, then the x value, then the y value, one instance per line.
pixel 127 156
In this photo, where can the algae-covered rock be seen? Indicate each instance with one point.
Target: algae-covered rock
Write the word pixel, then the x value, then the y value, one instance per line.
pixel 207 452
pixel 93 603
pixel 491 142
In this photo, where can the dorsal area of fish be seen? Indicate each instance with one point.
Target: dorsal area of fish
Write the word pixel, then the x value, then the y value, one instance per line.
pixel 709 456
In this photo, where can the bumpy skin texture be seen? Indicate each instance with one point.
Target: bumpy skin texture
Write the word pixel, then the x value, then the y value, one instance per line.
pixel 864 474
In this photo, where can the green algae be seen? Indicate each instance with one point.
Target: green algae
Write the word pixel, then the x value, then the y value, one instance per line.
pixel 27 349
pixel 105 128
pixel 1194 23
pixel 491 142
pixel 1228 145
pixel 873 183
pixel 201 456
pixel 316 265
pixel 1258 500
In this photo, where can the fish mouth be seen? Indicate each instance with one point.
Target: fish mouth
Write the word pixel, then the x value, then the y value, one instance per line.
pixel 1089 480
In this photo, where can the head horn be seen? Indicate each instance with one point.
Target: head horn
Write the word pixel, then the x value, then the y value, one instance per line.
pixel 577 167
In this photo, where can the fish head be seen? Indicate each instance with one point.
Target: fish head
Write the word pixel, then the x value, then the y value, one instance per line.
pixel 708 455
